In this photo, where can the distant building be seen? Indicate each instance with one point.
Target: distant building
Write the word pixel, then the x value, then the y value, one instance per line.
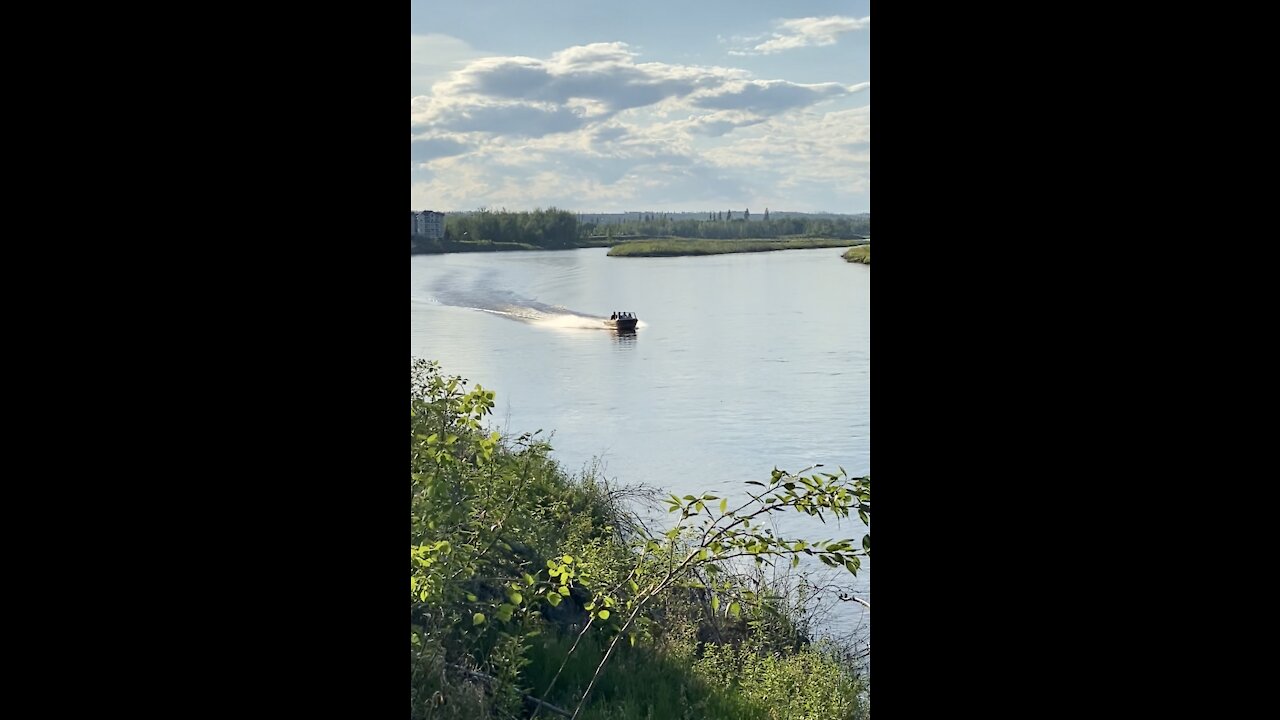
pixel 428 223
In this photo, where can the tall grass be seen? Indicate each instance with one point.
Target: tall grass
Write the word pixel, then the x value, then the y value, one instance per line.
pixel 860 254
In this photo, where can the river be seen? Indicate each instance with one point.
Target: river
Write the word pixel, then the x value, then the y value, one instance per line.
pixel 740 363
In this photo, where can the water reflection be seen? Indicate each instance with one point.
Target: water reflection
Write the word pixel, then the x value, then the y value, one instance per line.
pixel 624 338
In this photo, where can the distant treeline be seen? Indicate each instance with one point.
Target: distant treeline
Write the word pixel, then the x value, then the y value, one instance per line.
pixel 553 229
pixel 550 228
pixel 738 228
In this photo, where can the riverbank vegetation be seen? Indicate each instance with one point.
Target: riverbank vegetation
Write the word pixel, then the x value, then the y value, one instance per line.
pixel 553 229
pixel 432 246
pixel 861 254
pixel 548 229
pixel 725 226
pixel 669 247
pixel 538 593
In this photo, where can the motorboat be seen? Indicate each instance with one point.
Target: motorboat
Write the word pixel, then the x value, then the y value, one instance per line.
pixel 622 321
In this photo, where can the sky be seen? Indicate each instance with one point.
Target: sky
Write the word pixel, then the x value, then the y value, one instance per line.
pixel 677 105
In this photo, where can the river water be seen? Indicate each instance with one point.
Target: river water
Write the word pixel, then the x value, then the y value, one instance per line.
pixel 740 363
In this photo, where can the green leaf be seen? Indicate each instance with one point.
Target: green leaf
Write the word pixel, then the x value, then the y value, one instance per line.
pixel 795 560
pixel 724 505
pixel 866 543
pixel 690 497
pixel 604 615
pixel 477 619
pixel 562 590
pixel 553 598
pixel 715 603
pixel 735 609
pixel 471 598
pixel 528 580
pixel 568 559
pixel 515 597
pixel 634 587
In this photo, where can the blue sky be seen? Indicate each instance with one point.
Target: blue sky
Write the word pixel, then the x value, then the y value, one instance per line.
pixel 603 106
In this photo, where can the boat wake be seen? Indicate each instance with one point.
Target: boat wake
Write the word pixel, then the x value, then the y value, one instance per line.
pixel 576 321
pixel 556 319
pixel 504 303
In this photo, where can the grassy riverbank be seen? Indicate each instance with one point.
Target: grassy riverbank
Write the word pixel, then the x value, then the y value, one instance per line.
pixel 670 247
pixel 860 254
pixel 529 585
pixel 424 246
pixel 431 246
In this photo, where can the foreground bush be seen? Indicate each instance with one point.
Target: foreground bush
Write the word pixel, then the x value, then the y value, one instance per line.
pixel 533 592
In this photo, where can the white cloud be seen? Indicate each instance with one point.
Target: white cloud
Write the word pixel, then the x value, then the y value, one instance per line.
pixel 719 123
pixel 772 97
pixel 592 128
pixel 602 73
pixel 427 149
pixel 806 32
pixel 432 57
